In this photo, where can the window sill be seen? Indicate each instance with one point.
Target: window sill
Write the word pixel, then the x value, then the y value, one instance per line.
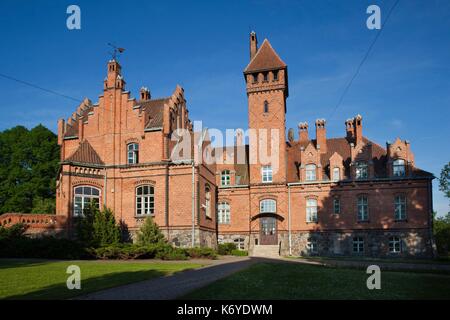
pixel 143 216
pixel 363 221
pixel 401 220
pixel 312 222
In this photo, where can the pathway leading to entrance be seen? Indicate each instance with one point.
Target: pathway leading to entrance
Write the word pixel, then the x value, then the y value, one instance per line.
pixel 179 284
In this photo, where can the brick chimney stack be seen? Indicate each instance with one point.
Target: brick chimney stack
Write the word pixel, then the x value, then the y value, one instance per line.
pixel 253 44
pixel 358 129
pixel 321 135
pixel 145 94
pixel 303 132
pixel 349 129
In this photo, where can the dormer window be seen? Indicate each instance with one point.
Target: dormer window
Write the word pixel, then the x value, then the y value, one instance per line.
pixel 133 153
pixel 310 172
pixel 336 174
pixel 362 170
pixel 398 168
pixel 225 178
pixel 266 107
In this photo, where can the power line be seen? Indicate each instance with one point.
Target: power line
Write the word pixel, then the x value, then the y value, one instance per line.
pixel 364 59
pixel 39 87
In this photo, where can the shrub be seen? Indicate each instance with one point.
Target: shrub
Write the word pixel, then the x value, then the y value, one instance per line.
pixel 197 252
pixel 150 233
pixel 171 253
pixel 98 228
pixel 226 248
pixel 15 231
pixel 240 253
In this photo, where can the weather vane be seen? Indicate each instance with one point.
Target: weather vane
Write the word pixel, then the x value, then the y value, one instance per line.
pixel 116 50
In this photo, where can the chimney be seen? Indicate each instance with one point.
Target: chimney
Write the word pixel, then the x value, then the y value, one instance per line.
pixel 321 135
pixel 113 77
pixel 145 94
pixel 358 129
pixel 253 44
pixel 303 132
pixel 291 135
pixel 349 129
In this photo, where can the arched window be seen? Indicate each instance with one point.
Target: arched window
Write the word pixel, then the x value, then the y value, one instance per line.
pixel 225 179
pixel 311 210
pixel 362 171
pixel 310 172
pixel 207 201
pixel 223 213
pixel 255 78
pixel 398 168
pixel 275 75
pixel 395 245
pixel 266 76
pixel 266 107
pixel 133 153
pixel 145 200
pixel 83 197
pixel 400 207
pixel 336 174
pixel 267 206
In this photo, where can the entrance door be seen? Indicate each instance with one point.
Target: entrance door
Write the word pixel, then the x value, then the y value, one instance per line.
pixel 268 231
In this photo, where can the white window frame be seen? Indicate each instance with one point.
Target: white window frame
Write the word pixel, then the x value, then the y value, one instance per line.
pixel 240 243
pixel 311 245
pixel 133 153
pixel 225 178
pixel 363 208
pixel 400 207
pixel 358 243
pixel 399 168
pixel 224 213
pixel 81 201
pixel 336 172
pixel 395 244
pixel 311 210
pixel 207 201
pixel 145 202
pixel 266 174
pixel 311 172
pixel 268 206
pixel 361 170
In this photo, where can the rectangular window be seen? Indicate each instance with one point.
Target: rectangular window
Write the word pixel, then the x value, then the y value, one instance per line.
pixel 336 174
pixel 358 245
pixel 311 246
pixel 363 208
pixel 310 172
pixel 336 205
pixel 400 207
pixel 266 172
pixel 395 245
pixel 275 75
pixel 311 210
pixel 362 171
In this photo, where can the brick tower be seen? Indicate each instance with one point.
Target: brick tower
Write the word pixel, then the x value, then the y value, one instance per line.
pixel 267 90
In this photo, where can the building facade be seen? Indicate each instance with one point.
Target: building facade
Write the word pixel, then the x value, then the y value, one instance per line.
pixel 321 196
pixel 328 196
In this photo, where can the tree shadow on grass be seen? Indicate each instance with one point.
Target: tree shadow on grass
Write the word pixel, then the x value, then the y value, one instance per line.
pixel 6 263
pixel 60 291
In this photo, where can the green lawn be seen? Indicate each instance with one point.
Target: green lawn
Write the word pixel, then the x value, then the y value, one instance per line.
pixel 299 281
pixel 34 279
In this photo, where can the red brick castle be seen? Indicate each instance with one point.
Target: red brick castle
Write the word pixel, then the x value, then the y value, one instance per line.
pixel 326 196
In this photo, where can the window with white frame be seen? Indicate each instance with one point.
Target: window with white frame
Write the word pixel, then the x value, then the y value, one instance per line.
pixel 311 210
pixel 207 201
pixel 240 243
pixel 310 172
pixel 400 207
pixel 145 200
pixel 336 174
pixel 358 245
pixel 361 170
pixel 311 245
pixel 83 197
pixel 398 168
pixel 225 178
pixel 363 208
pixel 395 245
pixel 223 213
pixel 133 153
pixel 267 206
pixel 336 205
pixel 266 173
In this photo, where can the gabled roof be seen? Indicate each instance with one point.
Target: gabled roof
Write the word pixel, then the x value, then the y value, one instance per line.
pixel 265 59
pixel 85 154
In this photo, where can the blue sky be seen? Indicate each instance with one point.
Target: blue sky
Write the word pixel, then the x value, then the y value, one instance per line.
pixel 402 89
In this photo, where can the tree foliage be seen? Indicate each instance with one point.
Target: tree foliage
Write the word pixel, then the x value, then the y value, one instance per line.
pixel 150 233
pixel 28 168
pixel 442 234
pixel 98 228
pixel 444 180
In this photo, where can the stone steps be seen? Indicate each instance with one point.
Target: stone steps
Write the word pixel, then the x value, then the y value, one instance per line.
pixel 265 251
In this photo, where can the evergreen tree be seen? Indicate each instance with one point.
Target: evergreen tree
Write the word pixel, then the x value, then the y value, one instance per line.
pixel 150 233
